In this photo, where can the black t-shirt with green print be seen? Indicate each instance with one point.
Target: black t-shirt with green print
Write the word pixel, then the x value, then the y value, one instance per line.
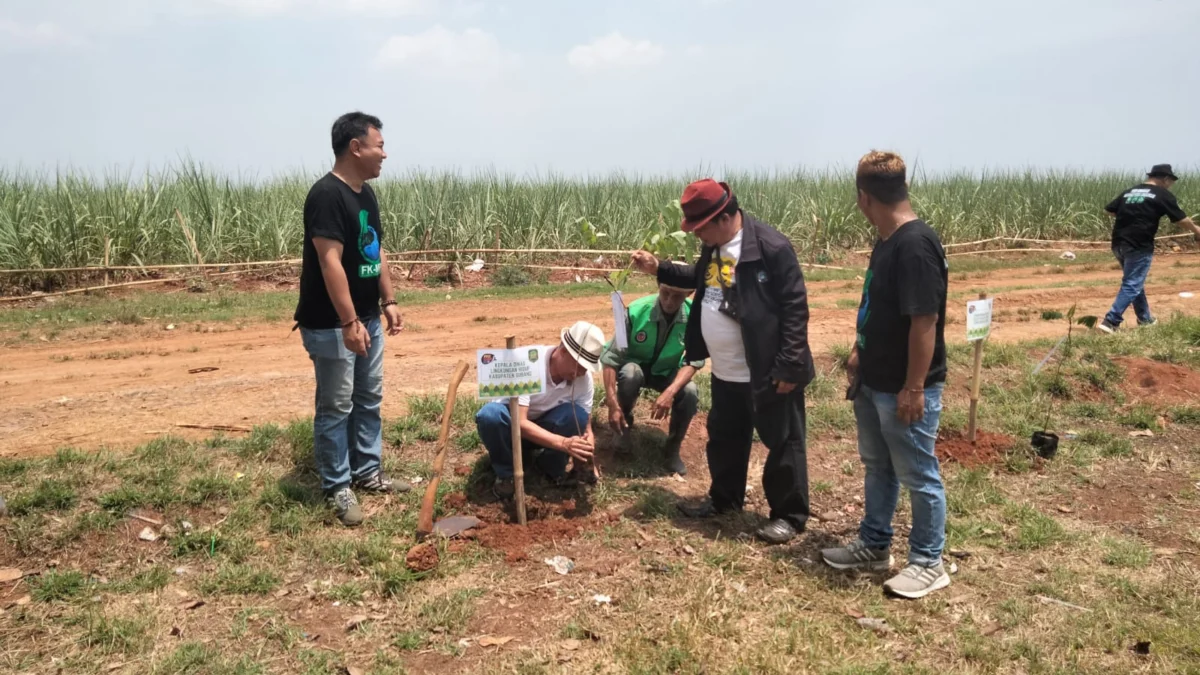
pixel 907 277
pixel 334 211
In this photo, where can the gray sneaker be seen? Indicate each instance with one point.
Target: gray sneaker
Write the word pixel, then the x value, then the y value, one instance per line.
pixel 917 581
pixel 857 556
pixel 346 505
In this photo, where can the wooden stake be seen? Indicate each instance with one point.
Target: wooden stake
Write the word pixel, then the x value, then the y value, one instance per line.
pixel 514 410
pixel 975 377
pixel 107 246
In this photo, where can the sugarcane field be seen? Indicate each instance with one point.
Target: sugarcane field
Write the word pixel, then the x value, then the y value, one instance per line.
pixel 401 358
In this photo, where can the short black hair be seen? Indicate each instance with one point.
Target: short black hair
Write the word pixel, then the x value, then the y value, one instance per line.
pixel 351 126
pixel 882 175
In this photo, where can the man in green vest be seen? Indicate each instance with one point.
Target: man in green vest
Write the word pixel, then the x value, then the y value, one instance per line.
pixel 655 326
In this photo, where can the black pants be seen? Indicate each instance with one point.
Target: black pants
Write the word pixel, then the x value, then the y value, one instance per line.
pixel 781 426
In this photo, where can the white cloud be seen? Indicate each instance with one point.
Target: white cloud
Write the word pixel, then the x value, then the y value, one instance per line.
pixel 382 8
pixel 18 35
pixel 615 51
pixel 470 53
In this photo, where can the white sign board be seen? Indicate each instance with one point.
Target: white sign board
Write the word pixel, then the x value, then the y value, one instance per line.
pixel 979 319
pixel 620 335
pixel 504 373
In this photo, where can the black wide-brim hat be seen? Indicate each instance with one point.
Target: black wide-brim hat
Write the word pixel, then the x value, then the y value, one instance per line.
pixel 1162 170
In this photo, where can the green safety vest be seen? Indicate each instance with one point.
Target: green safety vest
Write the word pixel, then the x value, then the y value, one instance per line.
pixel 643 338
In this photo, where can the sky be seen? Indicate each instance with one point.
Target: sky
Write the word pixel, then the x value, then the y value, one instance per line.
pixel 646 87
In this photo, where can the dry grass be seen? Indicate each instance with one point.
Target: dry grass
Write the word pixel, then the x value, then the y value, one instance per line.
pixel 279 580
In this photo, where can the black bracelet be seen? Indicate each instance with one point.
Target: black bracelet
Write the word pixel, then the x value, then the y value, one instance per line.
pixel 389 302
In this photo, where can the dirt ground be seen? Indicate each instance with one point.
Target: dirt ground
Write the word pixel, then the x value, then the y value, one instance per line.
pixel 132 383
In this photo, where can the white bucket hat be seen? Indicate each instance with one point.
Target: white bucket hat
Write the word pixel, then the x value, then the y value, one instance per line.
pixel 584 342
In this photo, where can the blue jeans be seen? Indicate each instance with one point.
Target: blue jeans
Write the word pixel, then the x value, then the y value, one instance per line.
pixel 347 427
pixel 1135 267
pixel 894 454
pixel 495 430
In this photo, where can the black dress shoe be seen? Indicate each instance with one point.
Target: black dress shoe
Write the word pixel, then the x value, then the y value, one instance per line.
pixel 704 509
pixel 777 531
pixel 675 463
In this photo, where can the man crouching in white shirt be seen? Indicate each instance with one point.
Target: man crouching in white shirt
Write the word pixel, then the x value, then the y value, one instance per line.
pixel 556 422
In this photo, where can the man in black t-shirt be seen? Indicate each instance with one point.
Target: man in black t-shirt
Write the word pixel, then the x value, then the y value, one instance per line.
pixel 897 370
pixel 1137 213
pixel 343 278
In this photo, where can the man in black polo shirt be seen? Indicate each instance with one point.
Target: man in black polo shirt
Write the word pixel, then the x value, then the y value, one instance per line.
pixel 1137 213
pixel 343 278
pixel 897 371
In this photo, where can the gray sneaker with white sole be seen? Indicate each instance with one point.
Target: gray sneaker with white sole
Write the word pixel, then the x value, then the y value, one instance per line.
pixel 857 556
pixel 918 581
pixel 345 504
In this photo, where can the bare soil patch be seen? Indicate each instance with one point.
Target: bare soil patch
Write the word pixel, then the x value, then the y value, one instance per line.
pixel 988 448
pixel 1147 380
pixel 116 386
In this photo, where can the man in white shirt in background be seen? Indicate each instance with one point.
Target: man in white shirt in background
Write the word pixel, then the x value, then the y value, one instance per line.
pixel 555 424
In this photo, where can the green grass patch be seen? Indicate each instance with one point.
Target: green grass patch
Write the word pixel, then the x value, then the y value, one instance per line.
pixel 1034 529
pixel 1125 553
pixel 54 585
pixel 239 579
pixel 50 494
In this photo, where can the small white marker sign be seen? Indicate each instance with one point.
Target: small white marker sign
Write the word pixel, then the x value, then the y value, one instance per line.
pixel 504 373
pixel 979 319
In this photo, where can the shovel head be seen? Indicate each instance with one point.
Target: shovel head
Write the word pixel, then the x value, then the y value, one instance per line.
pixel 454 526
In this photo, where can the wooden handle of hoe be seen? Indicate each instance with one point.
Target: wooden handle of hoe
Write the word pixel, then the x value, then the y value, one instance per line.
pixel 425 519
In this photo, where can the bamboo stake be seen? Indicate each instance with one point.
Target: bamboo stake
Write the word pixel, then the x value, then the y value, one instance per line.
pixel 148 268
pixel 107 246
pixel 975 378
pixel 514 411
pixel 1006 250
pixel 75 291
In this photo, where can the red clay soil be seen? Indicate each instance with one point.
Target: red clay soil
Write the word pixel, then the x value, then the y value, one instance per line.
pixel 422 557
pixel 989 448
pixel 547 522
pixel 1147 380
pixel 454 501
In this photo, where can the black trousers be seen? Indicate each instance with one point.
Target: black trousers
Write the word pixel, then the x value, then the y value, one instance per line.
pixel 781 427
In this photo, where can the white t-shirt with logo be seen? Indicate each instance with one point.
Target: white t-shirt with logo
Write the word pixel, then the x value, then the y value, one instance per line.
pixel 580 390
pixel 721 333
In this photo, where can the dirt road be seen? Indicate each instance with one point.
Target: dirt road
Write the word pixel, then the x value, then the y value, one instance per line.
pixel 132 383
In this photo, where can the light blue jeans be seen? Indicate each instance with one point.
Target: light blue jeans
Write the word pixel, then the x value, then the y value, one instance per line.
pixel 347 426
pixel 894 454
pixel 1135 267
pixel 495 430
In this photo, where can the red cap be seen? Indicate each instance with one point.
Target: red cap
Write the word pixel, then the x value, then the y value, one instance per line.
pixel 702 201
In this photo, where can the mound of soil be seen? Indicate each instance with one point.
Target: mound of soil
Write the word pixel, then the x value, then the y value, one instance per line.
pixel 989 448
pixel 514 540
pixel 422 558
pixel 454 501
pixel 1147 380
pixel 546 522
